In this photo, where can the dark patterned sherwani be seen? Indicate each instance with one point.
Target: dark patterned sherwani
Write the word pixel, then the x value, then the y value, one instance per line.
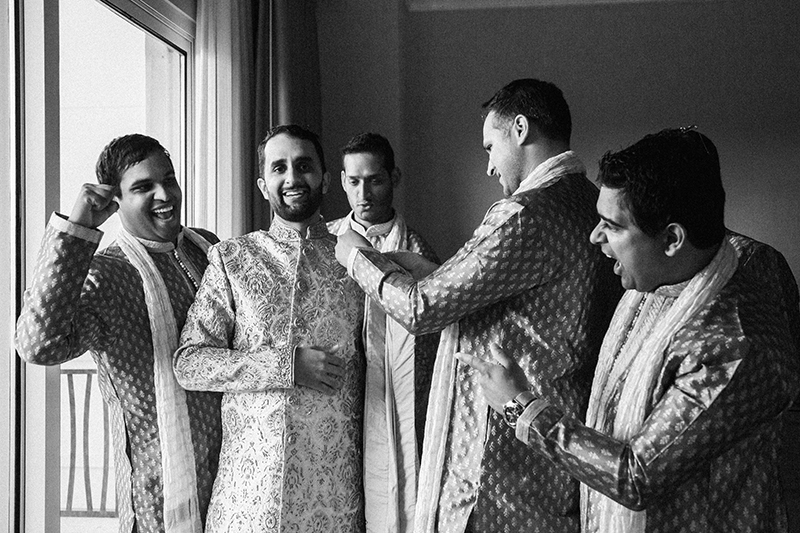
pixel 80 302
pixel 705 459
pixel 529 280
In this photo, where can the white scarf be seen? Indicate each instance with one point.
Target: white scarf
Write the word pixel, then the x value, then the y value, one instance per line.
pixel 443 385
pixel 641 359
pixel 179 477
pixel 378 323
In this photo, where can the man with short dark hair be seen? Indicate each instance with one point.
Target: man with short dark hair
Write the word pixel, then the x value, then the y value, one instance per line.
pixel 699 363
pixel 528 277
pixel 399 365
pixel 126 306
pixel 275 327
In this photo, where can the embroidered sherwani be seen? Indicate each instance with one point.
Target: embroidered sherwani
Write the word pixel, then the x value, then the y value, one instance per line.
pixel 705 458
pixel 79 302
pixel 529 280
pixel 399 367
pixel 291 456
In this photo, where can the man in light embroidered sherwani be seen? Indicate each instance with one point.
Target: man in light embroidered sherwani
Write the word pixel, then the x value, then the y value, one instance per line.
pixel 276 326
pixel 126 306
pixel 528 278
pixel 697 367
pixel 399 365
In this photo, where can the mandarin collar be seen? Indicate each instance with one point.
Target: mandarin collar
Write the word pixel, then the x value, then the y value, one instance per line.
pixel 374 230
pixel 160 246
pixel 281 231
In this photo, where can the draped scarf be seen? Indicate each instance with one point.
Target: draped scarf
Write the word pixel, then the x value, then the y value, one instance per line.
pixel 376 326
pixel 437 426
pixel 179 477
pixel 638 360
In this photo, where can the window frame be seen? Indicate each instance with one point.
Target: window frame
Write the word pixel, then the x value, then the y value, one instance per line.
pixel 32 405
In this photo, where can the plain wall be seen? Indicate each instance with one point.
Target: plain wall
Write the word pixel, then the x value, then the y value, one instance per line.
pixel 728 66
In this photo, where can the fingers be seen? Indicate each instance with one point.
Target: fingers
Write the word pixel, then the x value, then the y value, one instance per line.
pixel 470 360
pixel 500 356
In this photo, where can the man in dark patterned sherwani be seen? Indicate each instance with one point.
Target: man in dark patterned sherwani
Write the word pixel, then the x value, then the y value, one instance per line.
pixel 699 363
pixel 528 278
pixel 399 365
pixel 126 306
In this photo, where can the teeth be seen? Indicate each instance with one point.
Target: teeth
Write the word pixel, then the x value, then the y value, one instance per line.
pixel 163 210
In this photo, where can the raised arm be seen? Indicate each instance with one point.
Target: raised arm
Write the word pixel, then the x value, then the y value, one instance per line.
pixel 504 257
pixel 66 310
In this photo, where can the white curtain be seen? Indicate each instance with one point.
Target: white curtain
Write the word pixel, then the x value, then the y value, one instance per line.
pixel 225 166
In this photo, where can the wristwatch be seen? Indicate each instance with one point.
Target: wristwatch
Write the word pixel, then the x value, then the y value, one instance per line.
pixel 514 408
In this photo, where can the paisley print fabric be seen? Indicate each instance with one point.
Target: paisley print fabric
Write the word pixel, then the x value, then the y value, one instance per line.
pixel 705 458
pixel 79 302
pixel 291 456
pixel 529 280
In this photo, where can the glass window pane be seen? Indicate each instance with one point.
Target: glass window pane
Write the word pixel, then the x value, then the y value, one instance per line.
pixel 115 79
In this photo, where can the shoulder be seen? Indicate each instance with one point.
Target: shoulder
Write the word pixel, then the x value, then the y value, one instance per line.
pixel 207 235
pixel 416 243
pixel 334 225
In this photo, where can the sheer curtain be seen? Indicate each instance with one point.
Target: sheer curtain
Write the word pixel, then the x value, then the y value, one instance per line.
pixel 256 65
pixel 225 81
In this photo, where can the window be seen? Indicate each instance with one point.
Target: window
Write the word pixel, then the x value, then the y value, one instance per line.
pixel 91 71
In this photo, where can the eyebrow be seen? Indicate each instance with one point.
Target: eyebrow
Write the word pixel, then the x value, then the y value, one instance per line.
pixel 609 220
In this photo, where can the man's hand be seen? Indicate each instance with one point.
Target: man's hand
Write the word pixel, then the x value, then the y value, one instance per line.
pixel 418 266
pixel 318 368
pixel 347 241
pixel 95 204
pixel 500 381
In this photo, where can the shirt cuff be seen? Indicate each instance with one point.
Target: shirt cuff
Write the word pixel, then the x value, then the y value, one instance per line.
pixel 351 259
pixel 527 417
pixel 62 224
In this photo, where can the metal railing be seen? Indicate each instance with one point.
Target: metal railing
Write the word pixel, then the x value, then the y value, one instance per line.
pixel 89 507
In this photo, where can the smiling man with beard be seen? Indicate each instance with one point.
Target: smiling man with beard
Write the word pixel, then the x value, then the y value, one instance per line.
pixel 276 328
pixel 126 306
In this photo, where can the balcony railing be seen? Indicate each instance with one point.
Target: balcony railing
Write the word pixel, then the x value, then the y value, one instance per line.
pixel 93 500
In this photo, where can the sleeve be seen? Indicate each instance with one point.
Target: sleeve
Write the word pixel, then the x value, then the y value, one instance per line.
pixel 64 313
pixel 504 257
pixel 205 359
pixel 709 407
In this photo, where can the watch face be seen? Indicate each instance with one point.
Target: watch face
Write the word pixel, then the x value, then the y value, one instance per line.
pixel 511 412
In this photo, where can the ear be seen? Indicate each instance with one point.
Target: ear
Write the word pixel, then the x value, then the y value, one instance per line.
pixel 674 239
pixel 344 177
pixel 396 175
pixel 262 186
pixel 521 129
pixel 326 181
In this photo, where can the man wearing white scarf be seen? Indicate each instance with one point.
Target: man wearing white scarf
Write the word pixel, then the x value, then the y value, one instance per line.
pixel 527 277
pixel 701 359
pixel 399 364
pixel 126 306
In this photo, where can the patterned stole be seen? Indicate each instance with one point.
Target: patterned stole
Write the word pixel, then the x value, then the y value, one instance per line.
pixel 638 361
pixel 179 476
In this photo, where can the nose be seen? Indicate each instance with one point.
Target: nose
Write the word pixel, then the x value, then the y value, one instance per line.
pixel 364 191
pixel 490 169
pixel 160 192
pixel 292 176
pixel 597 236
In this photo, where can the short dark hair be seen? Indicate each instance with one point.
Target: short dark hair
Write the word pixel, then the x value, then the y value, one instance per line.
pixel 293 130
pixel 670 176
pixel 371 143
pixel 124 152
pixel 541 102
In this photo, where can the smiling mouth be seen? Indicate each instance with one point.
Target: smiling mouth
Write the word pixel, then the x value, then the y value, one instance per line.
pixel 294 194
pixel 164 213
